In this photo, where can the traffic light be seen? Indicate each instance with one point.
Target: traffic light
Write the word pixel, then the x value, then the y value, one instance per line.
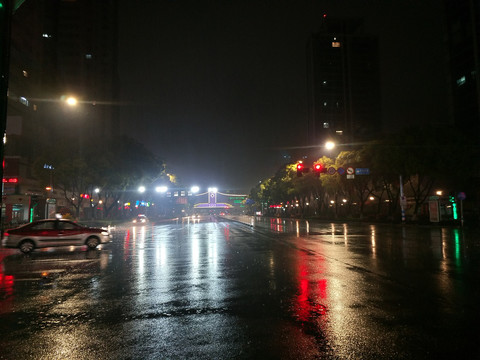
pixel 300 169
pixel 318 169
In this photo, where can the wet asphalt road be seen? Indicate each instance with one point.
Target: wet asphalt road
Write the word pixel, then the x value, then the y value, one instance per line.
pixel 280 289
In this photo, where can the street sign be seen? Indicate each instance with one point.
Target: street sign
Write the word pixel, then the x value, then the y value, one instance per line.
pixel 350 176
pixel 350 170
pixel 461 196
pixel 341 171
pixel 331 170
pixel 362 171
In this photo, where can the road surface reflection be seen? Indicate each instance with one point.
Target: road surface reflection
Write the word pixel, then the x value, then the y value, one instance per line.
pixel 269 288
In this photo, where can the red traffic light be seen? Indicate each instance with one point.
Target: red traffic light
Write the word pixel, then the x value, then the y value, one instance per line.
pixel 318 168
pixel 300 169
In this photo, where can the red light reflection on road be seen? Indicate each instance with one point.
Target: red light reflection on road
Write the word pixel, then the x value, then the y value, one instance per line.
pixel 6 292
pixel 126 245
pixel 226 232
pixel 312 295
pixel 276 224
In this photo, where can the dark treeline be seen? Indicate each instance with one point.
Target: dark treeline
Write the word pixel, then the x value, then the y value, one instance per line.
pixel 426 159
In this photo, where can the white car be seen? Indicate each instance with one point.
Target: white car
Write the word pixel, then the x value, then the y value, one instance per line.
pixel 140 219
pixel 54 232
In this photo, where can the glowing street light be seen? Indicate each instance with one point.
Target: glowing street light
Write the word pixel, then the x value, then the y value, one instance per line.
pixel 161 189
pixel 71 101
pixel 141 189
pixel 195 189
pixel 329 145
pixel 212 190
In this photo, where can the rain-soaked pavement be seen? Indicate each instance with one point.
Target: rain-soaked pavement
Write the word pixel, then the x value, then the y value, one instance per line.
pixel 280 289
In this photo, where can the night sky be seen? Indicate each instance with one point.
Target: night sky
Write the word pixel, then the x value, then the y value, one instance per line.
pixel 218 88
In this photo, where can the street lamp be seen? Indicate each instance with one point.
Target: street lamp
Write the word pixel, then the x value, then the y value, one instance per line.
pixel 329 145
pixel 161 189
pixel 71 101
pixel 195 189
pixel 141 189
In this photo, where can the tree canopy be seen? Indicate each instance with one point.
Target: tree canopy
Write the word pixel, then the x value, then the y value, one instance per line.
pixel 423 157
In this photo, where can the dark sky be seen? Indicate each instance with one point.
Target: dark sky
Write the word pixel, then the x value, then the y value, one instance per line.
pixel 219 86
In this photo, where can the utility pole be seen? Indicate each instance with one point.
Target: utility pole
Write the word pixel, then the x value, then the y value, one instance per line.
pixel 403 200
pixel 5 28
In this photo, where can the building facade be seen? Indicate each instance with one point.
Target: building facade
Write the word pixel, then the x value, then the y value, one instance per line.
pixel 462 22
pixel 343 83
pixel 59 48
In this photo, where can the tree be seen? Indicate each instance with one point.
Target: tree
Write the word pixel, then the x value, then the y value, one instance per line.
pixel 115 166
pixel 72 174
pixel 124 163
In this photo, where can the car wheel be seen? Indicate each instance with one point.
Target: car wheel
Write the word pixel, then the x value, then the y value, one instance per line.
pixel 92 242
pixel 26 246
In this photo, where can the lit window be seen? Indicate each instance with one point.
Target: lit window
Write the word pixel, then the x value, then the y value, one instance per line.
pixel 336 43
pixel 88 56
pixel 324 103
pixel 23 100
pixel 25 73
pixel 45 35
pixel 461 81
pixel 339 132
pixel 325 125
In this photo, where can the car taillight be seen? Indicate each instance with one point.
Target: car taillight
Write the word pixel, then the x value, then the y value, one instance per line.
pixel 6 233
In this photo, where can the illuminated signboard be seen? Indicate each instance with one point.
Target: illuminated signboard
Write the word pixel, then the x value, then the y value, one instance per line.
pixel 10 180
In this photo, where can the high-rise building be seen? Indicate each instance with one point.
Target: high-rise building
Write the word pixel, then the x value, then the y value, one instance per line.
pixel 463 54
pixel 85 37
pixel 69 48
pixel 59 48
pixel 343 83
